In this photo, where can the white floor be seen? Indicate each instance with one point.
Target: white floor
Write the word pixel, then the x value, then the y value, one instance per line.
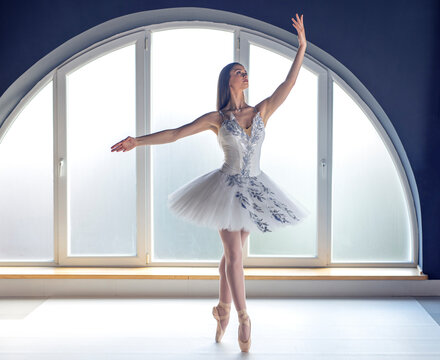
pixel 163 328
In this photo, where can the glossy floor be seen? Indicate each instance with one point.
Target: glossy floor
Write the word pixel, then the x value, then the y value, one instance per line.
pixel 164 328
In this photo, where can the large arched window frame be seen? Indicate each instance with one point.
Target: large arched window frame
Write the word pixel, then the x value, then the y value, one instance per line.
pixel 243 35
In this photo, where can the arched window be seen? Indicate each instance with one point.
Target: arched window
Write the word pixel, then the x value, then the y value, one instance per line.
pixel 68 200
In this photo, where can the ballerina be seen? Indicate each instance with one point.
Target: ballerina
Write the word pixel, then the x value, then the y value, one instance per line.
pixel 238 197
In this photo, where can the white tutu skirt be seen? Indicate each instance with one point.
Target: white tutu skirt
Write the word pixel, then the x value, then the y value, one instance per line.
pixel 224 201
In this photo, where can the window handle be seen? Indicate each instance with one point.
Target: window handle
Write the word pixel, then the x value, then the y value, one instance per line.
pixel 323 165
pixel 60 167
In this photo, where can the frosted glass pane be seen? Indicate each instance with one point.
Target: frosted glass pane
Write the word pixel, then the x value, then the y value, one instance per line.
pixel 26 183
pixel 101 184
pixel 185 68
pixel 289 150
pixel 370 218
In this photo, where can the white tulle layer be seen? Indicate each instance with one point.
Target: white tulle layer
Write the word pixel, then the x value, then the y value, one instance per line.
pixel 209 201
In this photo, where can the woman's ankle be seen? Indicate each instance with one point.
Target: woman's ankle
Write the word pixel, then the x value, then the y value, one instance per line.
pixel 242 312
pixel 224 305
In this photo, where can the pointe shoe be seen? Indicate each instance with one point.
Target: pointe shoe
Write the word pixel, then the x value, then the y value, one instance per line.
pixel 220 331
pixel 244 319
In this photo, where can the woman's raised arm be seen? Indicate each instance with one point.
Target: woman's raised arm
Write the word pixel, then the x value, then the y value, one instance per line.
pixel 270 104
pixel 204 122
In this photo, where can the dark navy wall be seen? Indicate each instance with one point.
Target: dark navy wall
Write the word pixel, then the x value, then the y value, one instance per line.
pixel 391 46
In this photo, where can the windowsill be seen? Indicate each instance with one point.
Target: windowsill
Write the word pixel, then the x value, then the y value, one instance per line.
pixel 209 273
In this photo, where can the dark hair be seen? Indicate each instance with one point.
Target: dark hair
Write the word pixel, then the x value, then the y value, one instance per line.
pixel 223 91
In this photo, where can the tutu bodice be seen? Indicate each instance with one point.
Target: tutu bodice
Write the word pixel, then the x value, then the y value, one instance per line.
pixel 242 152
pixel 238 195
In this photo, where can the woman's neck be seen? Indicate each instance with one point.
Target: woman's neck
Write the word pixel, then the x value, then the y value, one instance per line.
pixel 236 102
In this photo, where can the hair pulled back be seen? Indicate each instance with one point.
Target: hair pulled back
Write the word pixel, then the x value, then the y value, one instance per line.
pixel 223 90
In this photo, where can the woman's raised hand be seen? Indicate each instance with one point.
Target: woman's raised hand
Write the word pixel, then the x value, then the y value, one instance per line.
pixel 299 26
pixel 125 145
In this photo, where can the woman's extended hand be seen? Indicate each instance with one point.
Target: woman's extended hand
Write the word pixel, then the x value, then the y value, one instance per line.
pixel 299 26
pixel 125 145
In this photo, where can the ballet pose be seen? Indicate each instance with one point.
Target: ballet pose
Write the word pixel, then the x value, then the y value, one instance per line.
pixel 238 197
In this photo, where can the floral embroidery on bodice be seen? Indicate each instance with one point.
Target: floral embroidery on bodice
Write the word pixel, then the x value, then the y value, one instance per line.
pixel 242 167
pixel 242 152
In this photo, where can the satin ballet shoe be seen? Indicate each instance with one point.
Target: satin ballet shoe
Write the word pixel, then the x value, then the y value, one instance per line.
pixel 244 319
pixel 220 331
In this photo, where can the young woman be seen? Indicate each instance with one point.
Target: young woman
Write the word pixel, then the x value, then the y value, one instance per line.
pixel 238 197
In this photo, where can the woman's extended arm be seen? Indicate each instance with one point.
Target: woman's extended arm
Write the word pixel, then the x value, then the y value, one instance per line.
pixel 269 105
pixel 204 122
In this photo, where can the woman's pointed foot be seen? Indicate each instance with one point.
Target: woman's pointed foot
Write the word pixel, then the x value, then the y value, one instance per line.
pixel 221 313
pixel 244 330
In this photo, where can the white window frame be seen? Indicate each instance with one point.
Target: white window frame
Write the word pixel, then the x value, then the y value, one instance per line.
pixel 62 158
pixel 322 234
pixel 409 200
pixel 243 37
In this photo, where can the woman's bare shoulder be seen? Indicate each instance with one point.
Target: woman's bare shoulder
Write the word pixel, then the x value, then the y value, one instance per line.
pixel 215 119
pixel 262 109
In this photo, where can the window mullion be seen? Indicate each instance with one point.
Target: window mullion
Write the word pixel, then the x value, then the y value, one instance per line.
pixel 141 106
pixel 60 179
pixel 147 174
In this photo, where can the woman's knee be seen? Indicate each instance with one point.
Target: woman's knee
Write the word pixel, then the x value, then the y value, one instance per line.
pixel 234 258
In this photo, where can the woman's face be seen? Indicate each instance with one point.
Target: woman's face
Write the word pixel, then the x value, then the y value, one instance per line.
pixel 238 77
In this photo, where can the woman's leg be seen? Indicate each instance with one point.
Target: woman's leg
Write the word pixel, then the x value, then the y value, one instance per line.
pixel 224 290
pixel 232 243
